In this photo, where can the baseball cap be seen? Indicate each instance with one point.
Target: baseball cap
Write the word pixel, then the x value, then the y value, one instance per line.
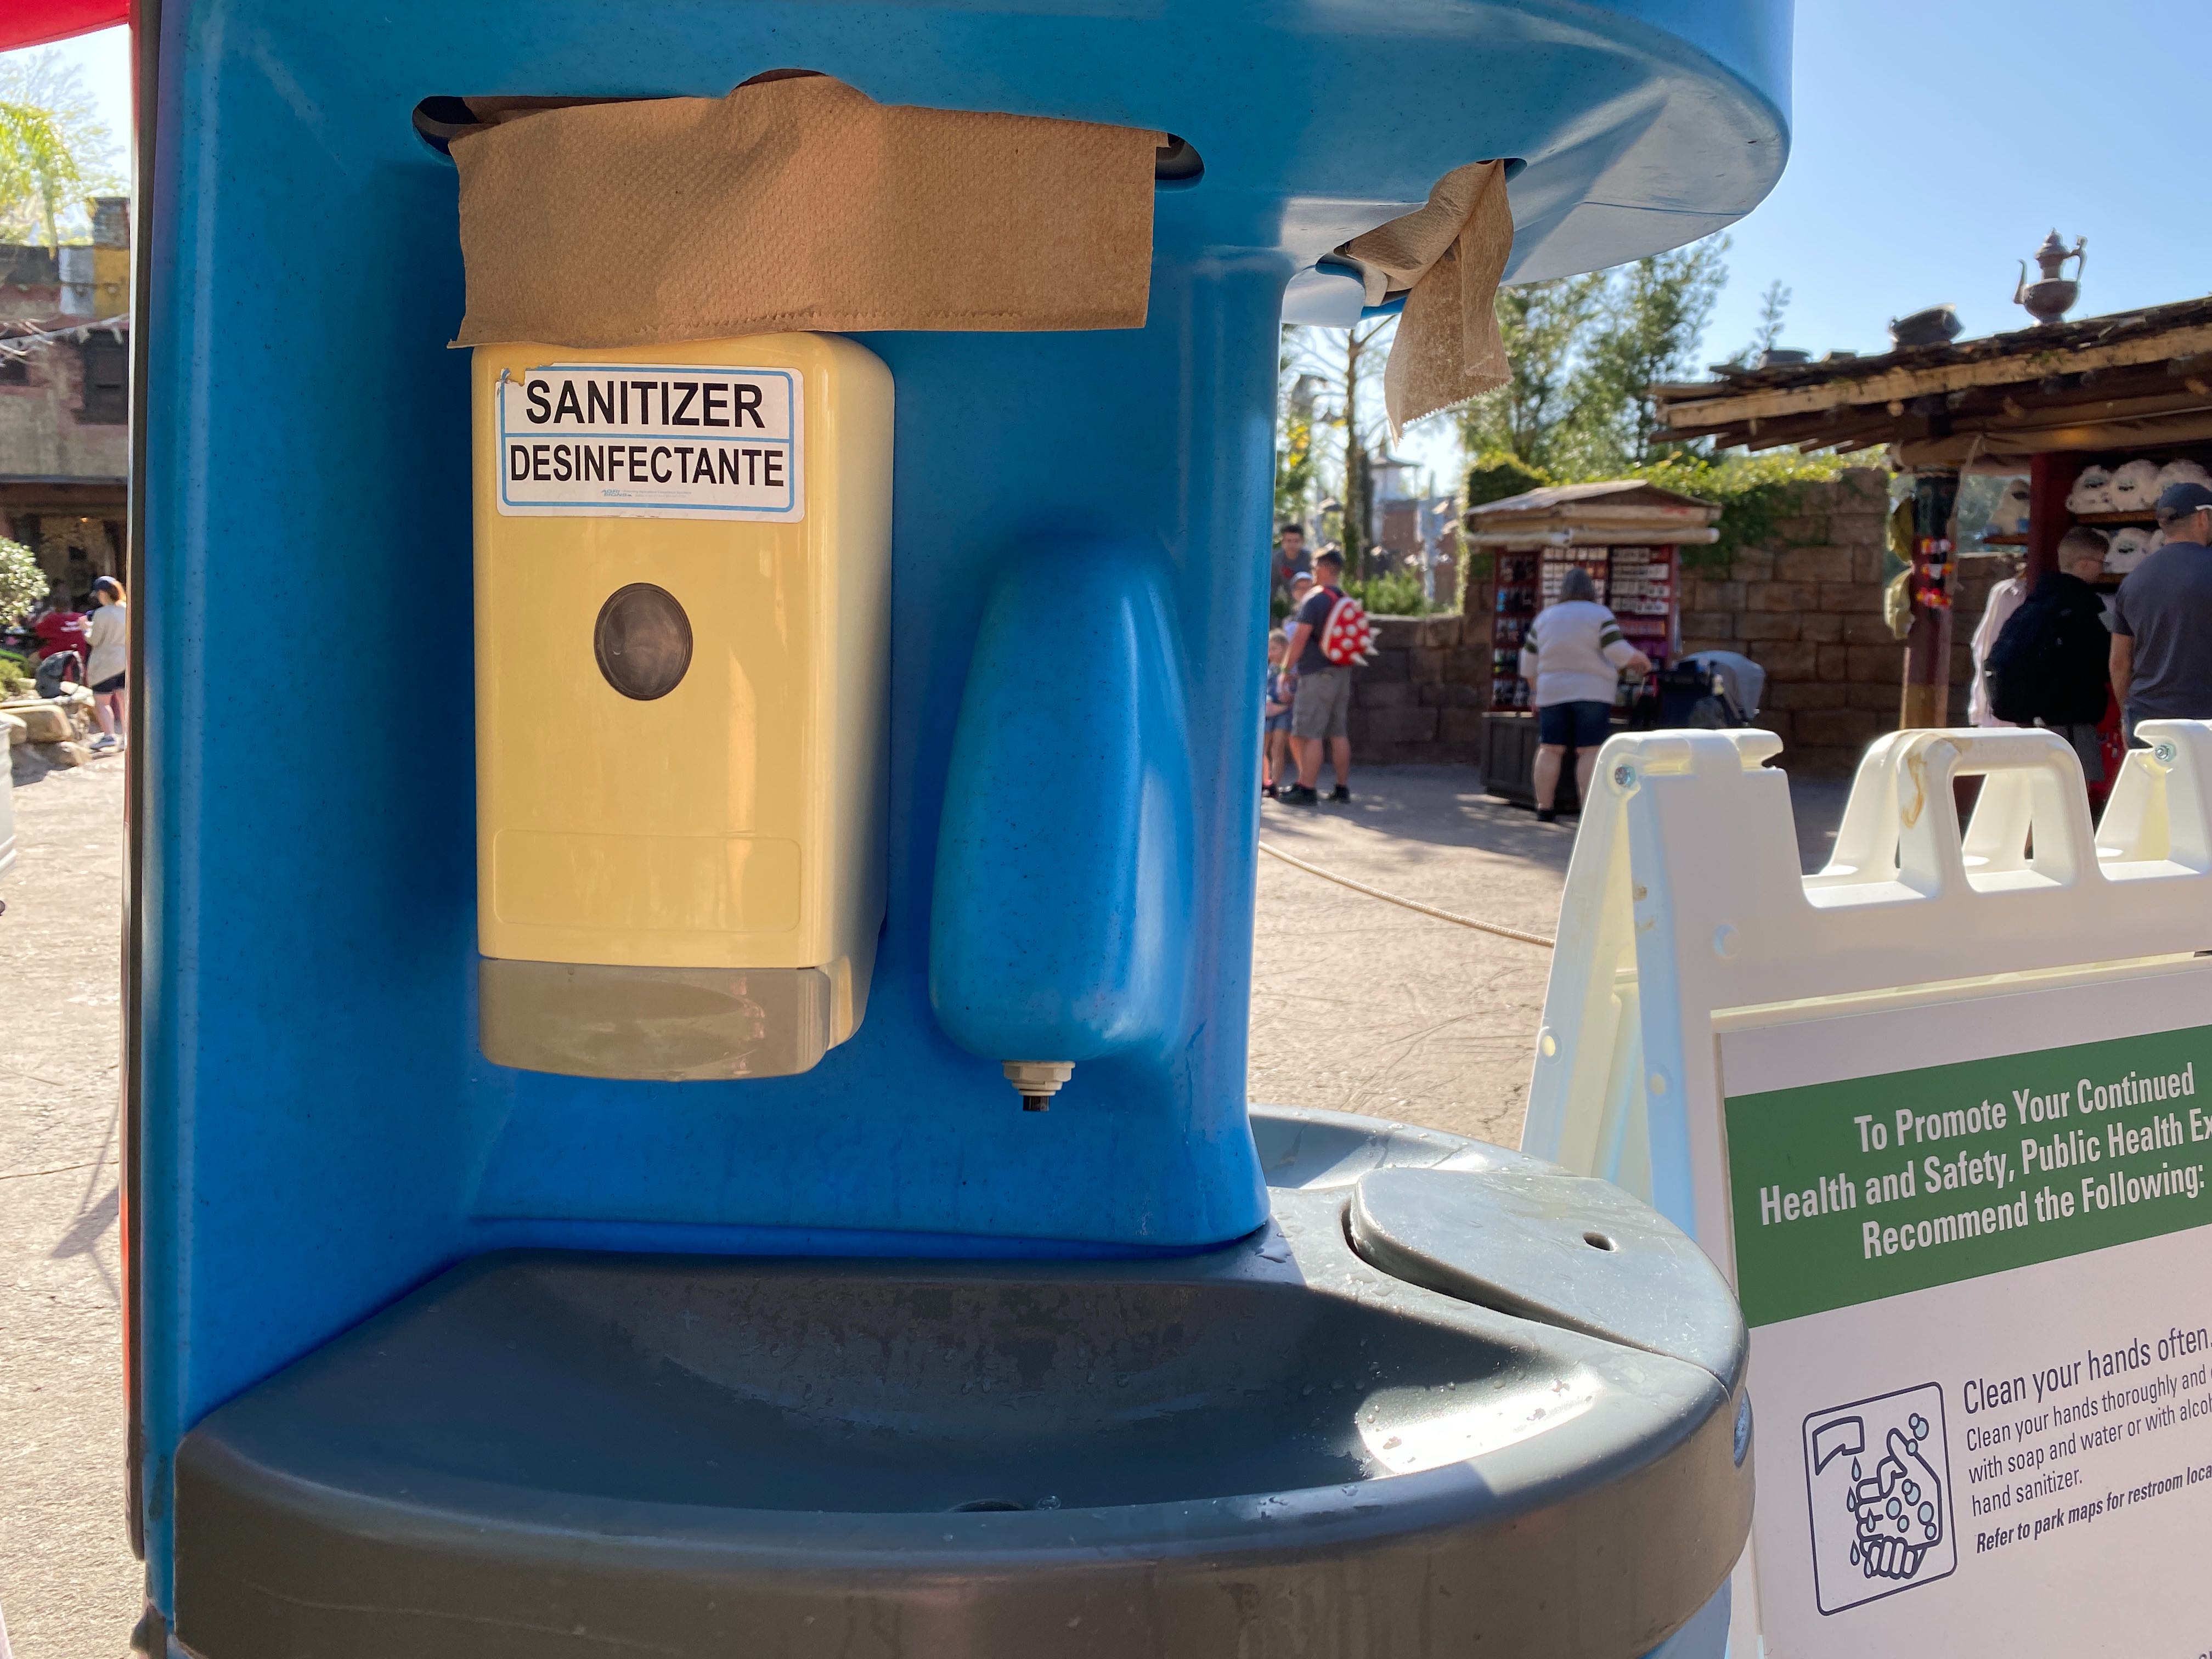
pixel 2180 500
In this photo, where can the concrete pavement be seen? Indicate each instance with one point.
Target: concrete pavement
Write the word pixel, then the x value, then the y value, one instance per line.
pixel 1362 1007
pixel 69 1586
pixel 1365 1007
pixel 1357 1005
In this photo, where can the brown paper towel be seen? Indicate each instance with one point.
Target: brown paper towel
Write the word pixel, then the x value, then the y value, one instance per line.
pixel 1446 258
pixel 796 203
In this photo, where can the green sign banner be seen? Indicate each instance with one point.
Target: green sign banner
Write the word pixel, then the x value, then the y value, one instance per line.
pixel 1846 1193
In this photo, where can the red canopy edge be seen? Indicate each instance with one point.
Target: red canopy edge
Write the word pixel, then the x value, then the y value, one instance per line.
pixel 35 23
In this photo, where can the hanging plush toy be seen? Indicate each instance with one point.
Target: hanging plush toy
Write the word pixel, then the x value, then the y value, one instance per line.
pixel 2174 472
pixel 2009 516
pixel 1347 638
pixel 2133 488
pixel 2092 492
pixel 2129 549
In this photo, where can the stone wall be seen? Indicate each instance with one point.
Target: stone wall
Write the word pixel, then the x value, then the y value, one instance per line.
pixel 1809 609
pixel 1421 698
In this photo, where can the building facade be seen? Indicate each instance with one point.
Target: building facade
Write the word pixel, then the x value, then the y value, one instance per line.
pixel 65 401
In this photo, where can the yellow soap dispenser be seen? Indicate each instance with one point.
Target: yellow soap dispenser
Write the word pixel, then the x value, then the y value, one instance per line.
pixel 682 593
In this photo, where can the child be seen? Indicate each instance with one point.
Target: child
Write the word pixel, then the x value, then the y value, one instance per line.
pixel 1275 728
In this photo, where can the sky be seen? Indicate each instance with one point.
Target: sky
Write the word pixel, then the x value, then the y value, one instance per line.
pixel 105 57
pixel 1933 144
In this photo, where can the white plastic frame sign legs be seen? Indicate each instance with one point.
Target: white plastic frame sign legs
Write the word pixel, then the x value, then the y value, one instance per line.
pixel 1934 1111
pixel 1684 900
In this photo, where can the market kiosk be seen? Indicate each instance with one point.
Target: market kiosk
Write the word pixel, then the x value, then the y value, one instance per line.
pixel 1628 536
pixel 2085 417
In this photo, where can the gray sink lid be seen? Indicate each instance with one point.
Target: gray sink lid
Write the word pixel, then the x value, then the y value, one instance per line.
pixel 1561 1250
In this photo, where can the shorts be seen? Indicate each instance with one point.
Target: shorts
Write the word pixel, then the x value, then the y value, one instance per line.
pixel 1278 722
pixel 1322 706
pixel 1574 724
pixel 112 683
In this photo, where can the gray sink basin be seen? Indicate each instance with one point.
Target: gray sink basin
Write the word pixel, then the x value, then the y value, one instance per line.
pixel 1372 1428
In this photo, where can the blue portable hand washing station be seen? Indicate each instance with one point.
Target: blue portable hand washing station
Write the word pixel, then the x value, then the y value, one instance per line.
pixel 433 1357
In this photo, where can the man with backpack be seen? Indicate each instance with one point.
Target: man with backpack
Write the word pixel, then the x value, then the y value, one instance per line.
pixel 2048 666
pixel 1322 706
pixel 2162 617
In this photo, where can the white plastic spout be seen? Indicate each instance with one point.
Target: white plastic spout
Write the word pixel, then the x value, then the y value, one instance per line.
pixel 1038 1081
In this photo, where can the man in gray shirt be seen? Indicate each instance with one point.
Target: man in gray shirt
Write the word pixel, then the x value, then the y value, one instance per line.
pixel 2161 618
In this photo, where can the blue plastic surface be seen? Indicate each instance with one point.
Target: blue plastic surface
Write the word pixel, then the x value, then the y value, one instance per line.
pixel 320 1131
pixel 1059 926
pixel 1705 1637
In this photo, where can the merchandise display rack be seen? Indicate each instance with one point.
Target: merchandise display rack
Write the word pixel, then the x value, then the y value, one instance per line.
pixel 1637 582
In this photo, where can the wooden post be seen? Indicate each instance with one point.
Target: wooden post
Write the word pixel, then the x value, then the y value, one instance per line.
pixel 1928 645
pixel 2050 477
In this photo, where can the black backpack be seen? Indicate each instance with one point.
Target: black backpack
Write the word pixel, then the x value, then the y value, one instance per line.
pixel 2050 663
pixel 55 668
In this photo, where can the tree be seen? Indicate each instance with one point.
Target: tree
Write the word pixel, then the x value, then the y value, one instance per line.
pixel 1585 351
pixel 1349 363
pixel 1295 461
pixel 1771 306
pixel 54 149
pixel 1655 315
pixel 22 584
pixel 1543 325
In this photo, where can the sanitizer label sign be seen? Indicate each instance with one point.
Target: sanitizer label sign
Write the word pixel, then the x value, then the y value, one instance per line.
pixel 659 440
pixel 1981 1302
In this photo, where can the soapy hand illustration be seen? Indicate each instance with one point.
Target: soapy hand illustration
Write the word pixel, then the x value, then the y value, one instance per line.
pixel 1878 1478
pixel 1898 1508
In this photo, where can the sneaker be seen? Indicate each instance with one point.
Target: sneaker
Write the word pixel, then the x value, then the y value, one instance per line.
pixel 102 742
pixel 1298 795
pixel 1339 794
pixel 1546 815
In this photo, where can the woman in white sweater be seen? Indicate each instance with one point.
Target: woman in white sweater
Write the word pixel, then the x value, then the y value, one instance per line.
pixel 1573 654
pixel 111 656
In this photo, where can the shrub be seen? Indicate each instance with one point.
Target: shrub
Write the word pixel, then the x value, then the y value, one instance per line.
pixel 1754 493
pixel 22 584
pixel 1498 473
pixel 1396 593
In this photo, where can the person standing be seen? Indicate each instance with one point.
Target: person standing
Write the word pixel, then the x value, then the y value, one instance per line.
pixel 1320 707
pixel 61 631
pixel 1275 714
pixel 2161 619
pixel 1573 654
pixel 1301 586
pixel 2048 665
pixel 1289 557
pixel 111 658
pixel 2005 598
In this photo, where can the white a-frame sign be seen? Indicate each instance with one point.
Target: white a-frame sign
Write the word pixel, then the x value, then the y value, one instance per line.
pixel 1944 1114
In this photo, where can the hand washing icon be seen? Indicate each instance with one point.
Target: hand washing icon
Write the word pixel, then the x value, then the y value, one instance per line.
pixel 1898 1506
pixel 1877 1473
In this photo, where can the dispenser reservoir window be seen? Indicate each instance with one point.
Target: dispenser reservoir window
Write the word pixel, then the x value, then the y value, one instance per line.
pixel 642 642
pixel 658 440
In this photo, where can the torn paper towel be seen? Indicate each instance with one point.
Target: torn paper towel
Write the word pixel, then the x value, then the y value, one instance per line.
pixel 1446 258
pixel 795 202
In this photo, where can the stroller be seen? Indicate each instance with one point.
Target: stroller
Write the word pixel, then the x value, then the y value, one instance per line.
pixel 1709 690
